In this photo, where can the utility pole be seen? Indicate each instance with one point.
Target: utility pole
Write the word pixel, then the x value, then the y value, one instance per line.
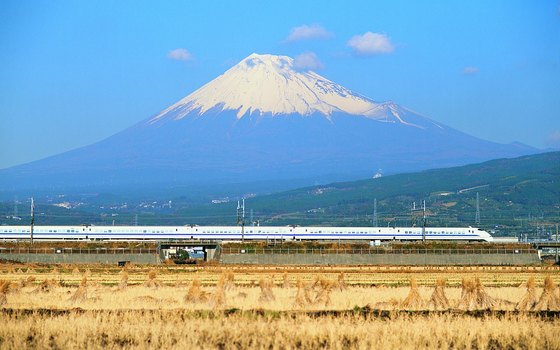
pixel 241 217
pixel 412 217
pixel 477 215
pixel 557 260
pixel 415 213
pixel 32 219
pixel 424 222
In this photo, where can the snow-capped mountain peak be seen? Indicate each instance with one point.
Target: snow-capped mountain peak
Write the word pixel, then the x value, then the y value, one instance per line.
pixel 269 84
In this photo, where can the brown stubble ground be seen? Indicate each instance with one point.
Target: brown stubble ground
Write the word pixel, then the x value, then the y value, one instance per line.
pixel 150 309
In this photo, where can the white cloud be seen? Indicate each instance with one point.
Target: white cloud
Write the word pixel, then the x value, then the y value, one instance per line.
pixel 308 32
pixel 180 55
pixel 371 44
pixel 470 70
pixel 553 140
pixel 308 60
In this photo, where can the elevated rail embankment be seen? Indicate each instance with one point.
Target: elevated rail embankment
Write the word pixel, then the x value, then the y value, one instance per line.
pixel 80 255
pixel 374 256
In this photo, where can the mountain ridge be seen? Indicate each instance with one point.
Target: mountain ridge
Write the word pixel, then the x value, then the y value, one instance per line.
pixel 233 143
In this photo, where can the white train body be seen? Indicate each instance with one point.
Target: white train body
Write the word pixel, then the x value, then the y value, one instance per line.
pixel 288 233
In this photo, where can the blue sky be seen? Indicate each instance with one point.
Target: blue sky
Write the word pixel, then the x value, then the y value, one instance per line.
pixel 75 72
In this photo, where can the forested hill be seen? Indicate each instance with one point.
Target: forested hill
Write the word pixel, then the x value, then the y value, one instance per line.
pixel 516 192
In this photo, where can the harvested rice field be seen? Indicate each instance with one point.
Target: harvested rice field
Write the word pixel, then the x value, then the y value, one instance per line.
pixel 77 306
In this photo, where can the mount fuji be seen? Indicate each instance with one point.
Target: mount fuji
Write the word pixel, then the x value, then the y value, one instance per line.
pixel 263 120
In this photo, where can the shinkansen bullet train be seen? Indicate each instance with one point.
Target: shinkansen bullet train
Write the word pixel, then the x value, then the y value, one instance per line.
pixel 287 233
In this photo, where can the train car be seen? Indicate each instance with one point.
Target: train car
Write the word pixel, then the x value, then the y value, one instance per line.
pixel 287 233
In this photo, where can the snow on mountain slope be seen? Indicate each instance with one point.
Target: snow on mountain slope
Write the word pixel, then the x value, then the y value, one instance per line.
pixel 262 120
pixel 269 84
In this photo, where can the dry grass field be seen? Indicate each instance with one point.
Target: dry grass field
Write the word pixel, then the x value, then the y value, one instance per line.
pixel 97 306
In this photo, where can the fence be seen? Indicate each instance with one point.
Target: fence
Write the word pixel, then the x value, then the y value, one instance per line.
pixel 28 250
pixel 375 251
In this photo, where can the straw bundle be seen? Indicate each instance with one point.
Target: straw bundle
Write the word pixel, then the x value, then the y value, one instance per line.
pixel 218 299
pixel 195 294
pixel 438 300
pixel 230 280
pixel 341 283
pixel 468 295
pixel 413 300
pixel 530 299
pixel 76 271
pixel 46 286
pixel 266 290
pixel 152 282
pixel 324 292
pixel 474 297
pixel 548 300
pixel 285 281
pixel 4 286
pixel 302 295
pixel 483 300
pixel 80 294
pixel 25 282
pixel 124 280
pixel 227 280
